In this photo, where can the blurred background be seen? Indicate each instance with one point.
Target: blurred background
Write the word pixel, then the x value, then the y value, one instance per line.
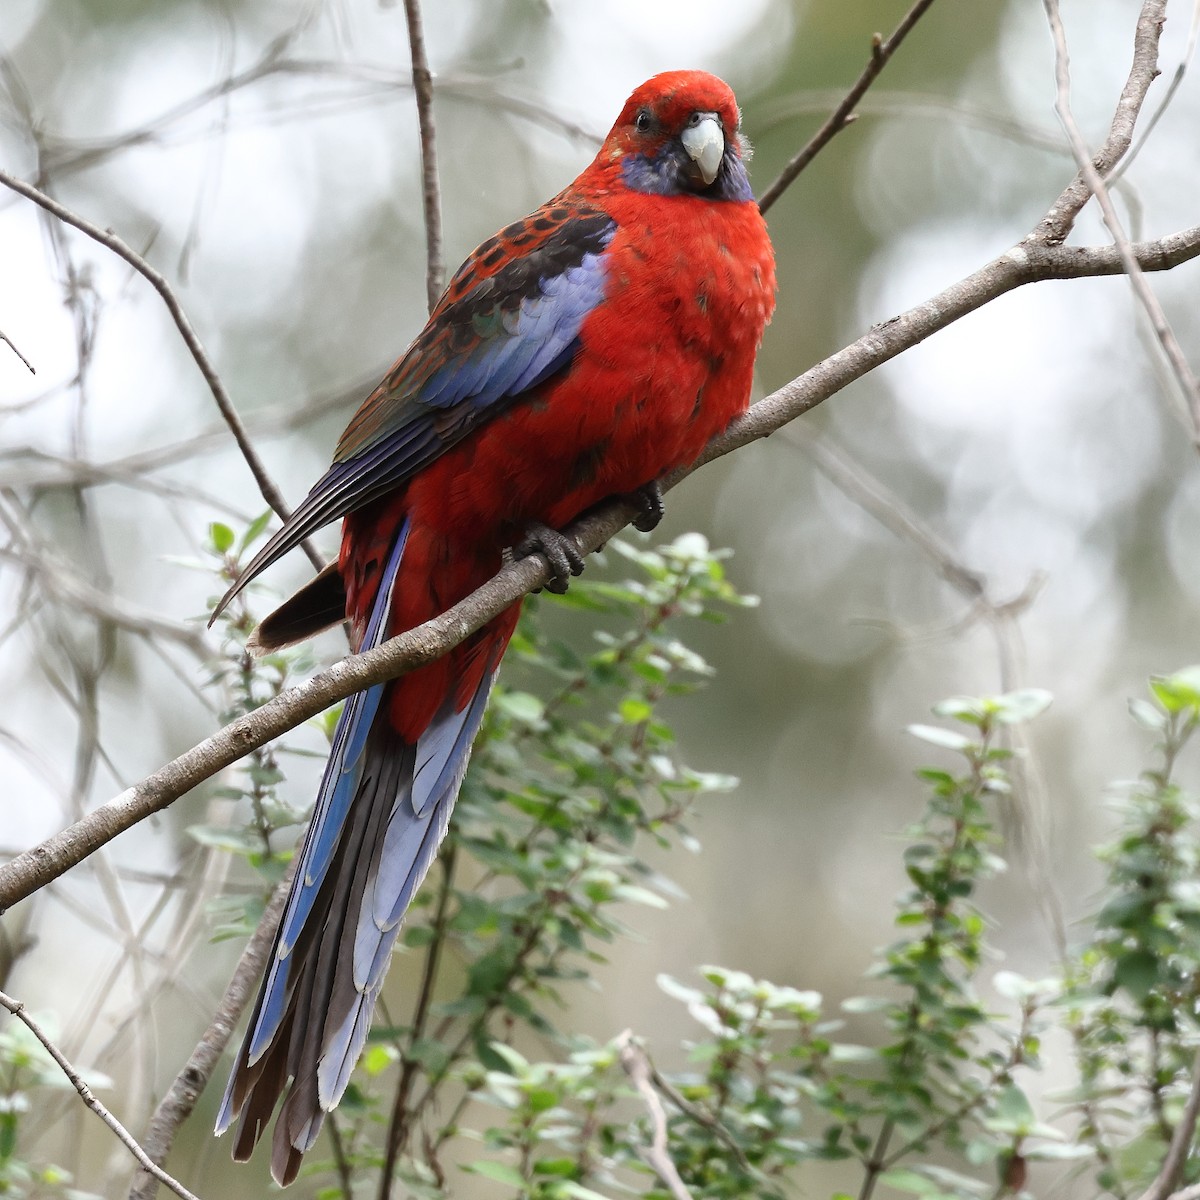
pixel 263 155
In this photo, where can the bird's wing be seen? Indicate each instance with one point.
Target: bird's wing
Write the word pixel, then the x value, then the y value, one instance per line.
pixel 509 320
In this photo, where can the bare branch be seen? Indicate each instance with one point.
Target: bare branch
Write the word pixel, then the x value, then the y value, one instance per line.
pixel 637 1066
pixel 1024 264
pixel 1181 1144
pixel 158 281
pixel 177 1105
pixel 88 1097
pixel 1152 15
pixel 843 115
pixel 12 346
pixel 435 271
pixel 1053 228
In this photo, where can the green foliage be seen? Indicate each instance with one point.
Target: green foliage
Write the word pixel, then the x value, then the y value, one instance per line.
pixel 27 1074
pixel 244 683
pixel 927 1084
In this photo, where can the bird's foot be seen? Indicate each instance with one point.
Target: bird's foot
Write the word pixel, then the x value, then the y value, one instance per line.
pixel 649 499
pixel 558 549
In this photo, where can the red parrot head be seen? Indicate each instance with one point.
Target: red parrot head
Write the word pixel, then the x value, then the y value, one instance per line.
pixel 678 135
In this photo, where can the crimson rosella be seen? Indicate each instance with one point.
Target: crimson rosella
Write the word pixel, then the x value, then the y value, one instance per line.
pixel 580 353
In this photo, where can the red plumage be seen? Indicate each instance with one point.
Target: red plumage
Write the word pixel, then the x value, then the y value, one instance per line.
pixel 581 353
pixel 665 364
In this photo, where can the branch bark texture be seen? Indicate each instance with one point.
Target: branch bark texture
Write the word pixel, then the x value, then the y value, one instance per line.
pixel 1025 263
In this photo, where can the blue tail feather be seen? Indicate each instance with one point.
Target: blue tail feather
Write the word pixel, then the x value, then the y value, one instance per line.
pixel 382 810
pixel 337 791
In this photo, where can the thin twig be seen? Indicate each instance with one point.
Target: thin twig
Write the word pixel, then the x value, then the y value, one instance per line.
pixel 843 115
pixel 1059 220
pixel 1024 264
pixel 266 486
pixel 435 271
pixel 1153 14
pixel 177 1105
pixel 13 347
pixel 1165 103
pixel 698 1115
pixel 637 1067
pixel 88 1097
pixel 1181 1144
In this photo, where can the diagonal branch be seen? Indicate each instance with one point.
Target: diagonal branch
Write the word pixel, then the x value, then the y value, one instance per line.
pixel 13 347
pixel 844 114
pixel 636 1065
pixel 177 1105
pixel 270 493
pixel 1181 1144
pixel 88 1097
pixel 1024 264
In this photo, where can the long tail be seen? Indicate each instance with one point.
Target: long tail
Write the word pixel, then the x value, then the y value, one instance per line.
pixel 381 812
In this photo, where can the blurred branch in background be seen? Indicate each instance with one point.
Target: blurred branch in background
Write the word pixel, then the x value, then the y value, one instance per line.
pixel 844 114
pixel 270 493
pixel 422 82
pixel 88 1097
pixel 1145 70
pixel 180 1099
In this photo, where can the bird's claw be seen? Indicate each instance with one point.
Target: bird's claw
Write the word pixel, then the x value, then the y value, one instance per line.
pixel 558 549
pixel 649 499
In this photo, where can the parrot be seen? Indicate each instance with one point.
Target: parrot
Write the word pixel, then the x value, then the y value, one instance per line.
pixel 579 354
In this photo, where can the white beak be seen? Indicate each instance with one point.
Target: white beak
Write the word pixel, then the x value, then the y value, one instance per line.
pixel 705 143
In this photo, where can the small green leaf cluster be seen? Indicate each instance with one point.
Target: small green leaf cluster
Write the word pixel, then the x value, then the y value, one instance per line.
pixel 245 682
pixel 575 768
pixel 1132 994
pixel 27 1072
pixel 917 1087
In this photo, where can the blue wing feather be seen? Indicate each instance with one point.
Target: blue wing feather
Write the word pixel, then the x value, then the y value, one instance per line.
pixel 489 342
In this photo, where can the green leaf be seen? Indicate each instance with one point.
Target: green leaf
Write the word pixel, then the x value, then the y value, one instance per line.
pixel 500 1172
pixel 935 735
pixel 1146 715
pixel 521 706
pixel 962 708
pixel 559 1167
pixel 1137 972
pixel 1013 1113
pixel 221 537
pixel 578 1192
pixel 904 1180
pixel 254 530
pixel 1179 691
pixel 1023 705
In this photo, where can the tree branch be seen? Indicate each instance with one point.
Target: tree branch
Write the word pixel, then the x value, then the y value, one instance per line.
pixel 1153 14
pixel 13 347
pixel 88 1097
pixel 1181 1143
pixel 1023 264
pixel 1053 228
pixel 177 1105
pixel 844 115
pixel 637 1066
pixel 266 486
pixel 435 271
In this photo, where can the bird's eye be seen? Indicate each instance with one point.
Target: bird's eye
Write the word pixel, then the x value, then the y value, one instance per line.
pixel 643 121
